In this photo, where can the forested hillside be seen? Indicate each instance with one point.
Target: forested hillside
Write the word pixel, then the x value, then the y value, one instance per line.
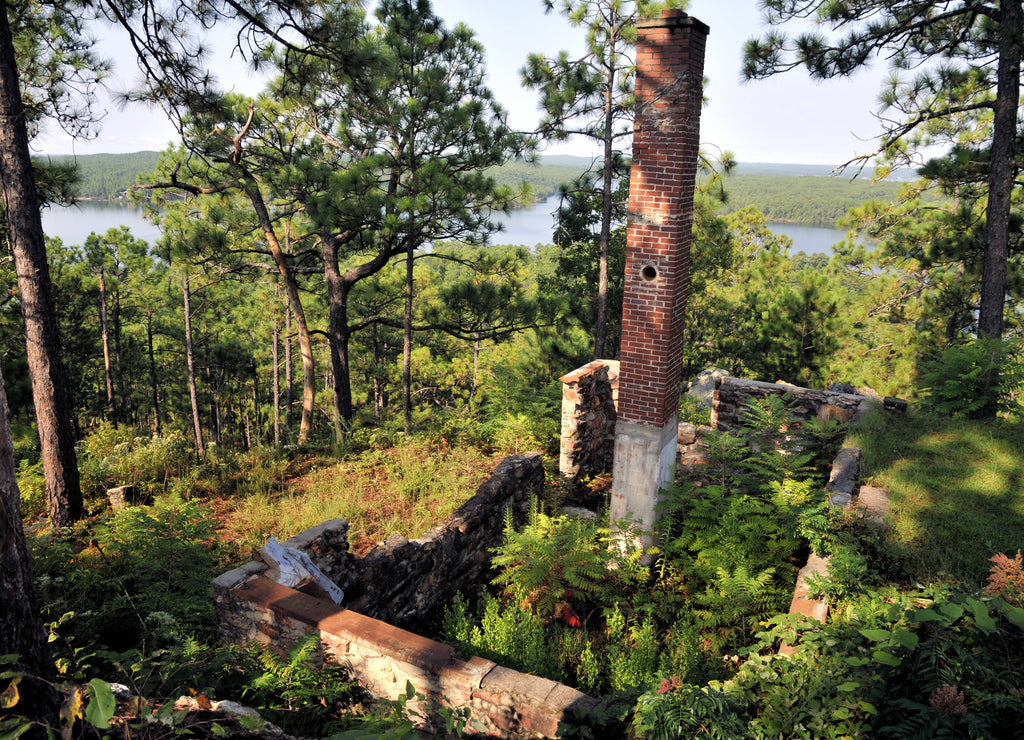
pixel 107 176
pixel 544 177
pixel 806 194
pixel 804 199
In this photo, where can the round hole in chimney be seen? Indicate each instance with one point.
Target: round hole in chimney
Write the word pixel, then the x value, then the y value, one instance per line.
pixel 649 272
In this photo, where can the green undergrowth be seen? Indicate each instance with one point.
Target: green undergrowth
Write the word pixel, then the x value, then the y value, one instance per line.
pixel 925 636
pixel 404 489
pixel 126 594
pixel 690 647
pixel 921 663
pixel 574 602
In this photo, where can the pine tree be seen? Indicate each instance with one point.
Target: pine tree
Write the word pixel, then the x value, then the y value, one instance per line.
pixel 25 230
pixel 956 81
pixel 592 96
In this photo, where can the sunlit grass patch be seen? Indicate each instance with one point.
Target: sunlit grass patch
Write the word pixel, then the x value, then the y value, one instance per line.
pixel 405 489
pixel 957 491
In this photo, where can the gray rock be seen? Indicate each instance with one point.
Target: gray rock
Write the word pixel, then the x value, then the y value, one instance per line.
pixel 703 386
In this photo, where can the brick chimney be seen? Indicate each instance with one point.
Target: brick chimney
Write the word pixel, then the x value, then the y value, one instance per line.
pixel 666 136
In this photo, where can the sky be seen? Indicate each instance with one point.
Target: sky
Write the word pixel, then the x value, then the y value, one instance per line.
pixel 786 119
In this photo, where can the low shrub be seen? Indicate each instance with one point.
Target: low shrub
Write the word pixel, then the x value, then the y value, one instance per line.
pixel 111 456
pixel 32 485
pixel 975 379
pixel 299 692
pixel 113 574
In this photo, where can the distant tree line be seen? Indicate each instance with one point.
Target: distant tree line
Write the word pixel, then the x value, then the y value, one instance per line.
pixel 105 176
pixel 111 176
pixel 812 199
pixel 818 201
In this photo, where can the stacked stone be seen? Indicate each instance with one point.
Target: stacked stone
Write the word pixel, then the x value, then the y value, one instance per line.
pixel 406 583
pixel 589 400
pixel 733 394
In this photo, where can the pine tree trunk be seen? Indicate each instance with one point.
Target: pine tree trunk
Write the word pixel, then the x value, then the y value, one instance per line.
pixel 407 343
pixel 289 380
pixel 190 363
pixel 337 331
pixel 476 372
pixel 123 407
pixel 1001 182
pixel 291 288
pixel 105 337
pixel 255 416
pixel 152 374
pixel 276 385
pixel 601 328
pixel 1002 173
pixel 21 628
pixel 49 384
pixel 215 418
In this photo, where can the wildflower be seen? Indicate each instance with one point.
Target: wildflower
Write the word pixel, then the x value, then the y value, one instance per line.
pixel 668 684
pixel 1007 578
pixel 569 616
pixel 948 701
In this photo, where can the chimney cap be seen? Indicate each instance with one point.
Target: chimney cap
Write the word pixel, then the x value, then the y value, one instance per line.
pixel 673 13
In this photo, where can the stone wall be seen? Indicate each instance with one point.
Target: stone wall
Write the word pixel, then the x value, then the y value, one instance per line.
pixel 844 491
pixel 732 394
pixel 406 583
pixel 383 658
pixel 590 395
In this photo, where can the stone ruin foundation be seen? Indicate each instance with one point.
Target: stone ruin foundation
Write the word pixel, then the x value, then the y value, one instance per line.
pixel 402 586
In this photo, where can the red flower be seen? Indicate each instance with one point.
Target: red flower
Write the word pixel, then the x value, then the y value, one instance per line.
pixel 569 616
pixel 668 684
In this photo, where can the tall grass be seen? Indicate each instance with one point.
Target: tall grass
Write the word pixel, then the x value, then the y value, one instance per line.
pixel 957 490
pixel 405 489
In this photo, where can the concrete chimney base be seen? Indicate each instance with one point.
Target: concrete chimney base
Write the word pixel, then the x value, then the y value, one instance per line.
pixel 644 464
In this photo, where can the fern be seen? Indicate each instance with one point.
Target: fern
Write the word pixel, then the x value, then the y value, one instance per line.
pixel 554 560
pixel 299 692
pixel 975 379
pixel 735 603
pixel 732 535
pixel 675 710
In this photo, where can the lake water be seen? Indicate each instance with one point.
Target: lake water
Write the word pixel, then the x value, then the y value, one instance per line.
pixel 528 227
pixel 72 224
pixel 809 239
pixel 535 225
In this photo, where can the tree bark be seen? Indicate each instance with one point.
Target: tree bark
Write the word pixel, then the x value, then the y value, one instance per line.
pixel 601 329
pixel 337 328
pixel 1002 173
pixel 49 385
pixel 276 385
pixel 476 372
pixel 21 628
pixel 289 381
pixel 152 374
pixel 339 286
pixel 123 407
pixel 190 362
pixel 407 342
pixel 292 290
pixel 105 337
